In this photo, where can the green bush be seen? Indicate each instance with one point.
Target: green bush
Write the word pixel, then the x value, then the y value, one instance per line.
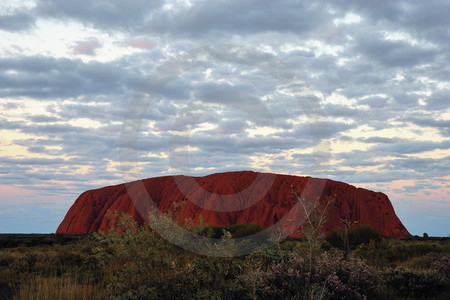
pixel 360 235
pixel 149 273
pixel 406 250
pixel 236 230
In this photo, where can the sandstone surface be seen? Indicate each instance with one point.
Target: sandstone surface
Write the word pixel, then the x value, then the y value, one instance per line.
pixel 235 197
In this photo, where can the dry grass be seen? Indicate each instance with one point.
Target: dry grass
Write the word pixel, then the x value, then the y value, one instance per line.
pixel 57 288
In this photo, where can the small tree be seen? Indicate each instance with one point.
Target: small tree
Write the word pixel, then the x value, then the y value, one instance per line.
pixel 312 228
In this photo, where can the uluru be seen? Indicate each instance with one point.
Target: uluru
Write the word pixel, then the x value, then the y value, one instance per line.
pixel 229 198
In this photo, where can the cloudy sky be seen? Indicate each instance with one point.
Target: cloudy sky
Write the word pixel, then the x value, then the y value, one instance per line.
pixel 94 93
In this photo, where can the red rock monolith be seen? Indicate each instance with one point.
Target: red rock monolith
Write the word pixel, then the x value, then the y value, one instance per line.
pixel 233 197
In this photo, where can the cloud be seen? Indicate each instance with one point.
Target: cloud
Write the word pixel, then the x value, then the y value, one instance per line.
pixel 381 140
pixel 319 130
pixel 375 102
pixel 423 167
pixel 16 22
pixel 107 15
pixel 439 100
pixel 245 17
pixel 87 47
pixel 43 77
pixel 393 53
pixel 141 43
pixel 410 147
pixel 11 105
pixel 43 119
pixel 245 84
pixel 442 125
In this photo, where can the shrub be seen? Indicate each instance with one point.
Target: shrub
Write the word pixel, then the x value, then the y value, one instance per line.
pixel 331 276
pixel 24 263
pixel 442 265
pixel 7 290
pixel 5 261
pixel 359 235
pixel 168 276
pixel 363 235
pixel 347 278
pixel 405 250
pixel 335 239
pixel 236 230
pixel 414 283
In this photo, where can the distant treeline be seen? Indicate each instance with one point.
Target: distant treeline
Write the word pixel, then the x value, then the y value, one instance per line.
pixel 12 240
pixel 30 240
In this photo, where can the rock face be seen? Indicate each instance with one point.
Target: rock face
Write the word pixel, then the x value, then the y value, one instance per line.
pixel 234 197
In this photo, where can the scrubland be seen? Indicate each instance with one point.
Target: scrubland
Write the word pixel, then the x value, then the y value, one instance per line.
pixel 140 264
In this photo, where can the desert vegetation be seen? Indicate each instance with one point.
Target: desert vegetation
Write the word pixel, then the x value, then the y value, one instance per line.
pixel 140 264
pixel 136 262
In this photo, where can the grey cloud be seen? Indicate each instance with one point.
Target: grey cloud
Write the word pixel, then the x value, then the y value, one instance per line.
pixel 439 100
pixel 45 77
pixel 51 129
pixel 6 124
pixel 424 167
pixel 90 145
pixel 113 14
pixel 374 102
pixel 11 105
pixel 38 142
pixel 338 110
pixel 442 125
pixel 418 187
pixel 87 47
pixel 356 79
pixel 314 158
pixel 386 10
pixel 410 147
pixel 101 112
pixel 43 119
pixel 377 176
pixel 223 92
pixel 241 101
pixel 186 161
pixel 33 161
pixel 318 130
pixel 244 144
pixel 393 53
pixel 245 17
pixel 362 163
pixel 428 21
pixel 176 89
pixel 363 158
pixel 16 22
pixel 231 126
pixel 38 149
pixel 405 99
pixel 381 140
